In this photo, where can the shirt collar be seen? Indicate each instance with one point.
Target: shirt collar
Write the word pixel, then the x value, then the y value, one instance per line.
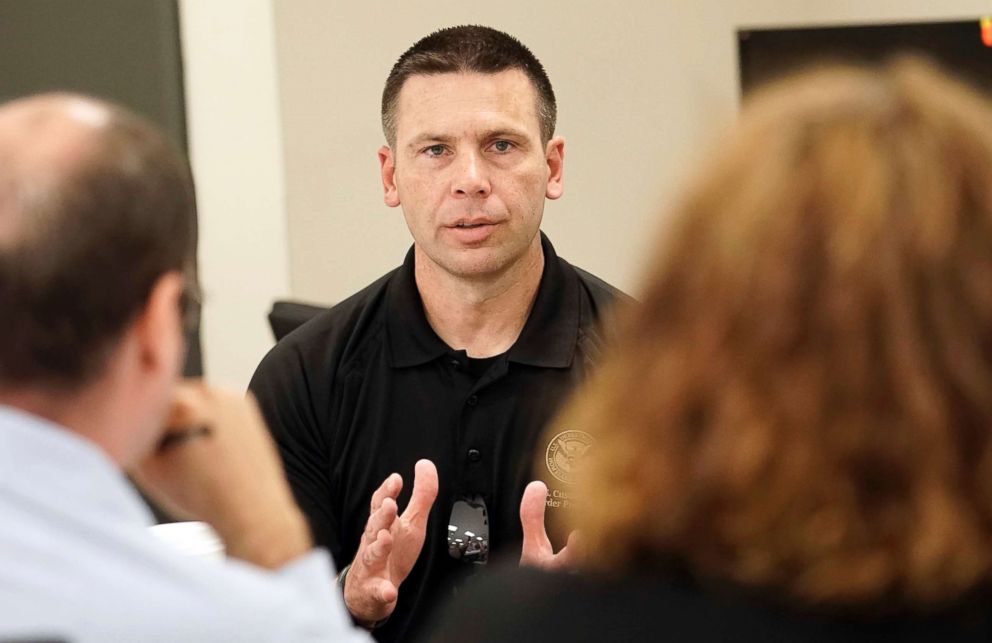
pixel 412 341
pixel 548 338
pixel 551 331
pixel 53 462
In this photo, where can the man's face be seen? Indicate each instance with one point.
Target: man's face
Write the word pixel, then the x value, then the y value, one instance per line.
pixel 470 170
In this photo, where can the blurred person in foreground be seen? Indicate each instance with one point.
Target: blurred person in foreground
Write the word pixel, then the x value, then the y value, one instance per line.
pixel 794 435
pixel 96 228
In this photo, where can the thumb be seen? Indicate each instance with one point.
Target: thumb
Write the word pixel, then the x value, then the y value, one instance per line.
pixel 532 512
pixel 425 484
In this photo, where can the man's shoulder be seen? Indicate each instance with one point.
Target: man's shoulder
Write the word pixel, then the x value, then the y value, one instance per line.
pixel 599 302
pixel 601 294
pixel 600 290
pixel 346 316
pixel 334 333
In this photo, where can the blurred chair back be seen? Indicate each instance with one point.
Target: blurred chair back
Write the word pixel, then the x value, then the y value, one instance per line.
pixel 287 316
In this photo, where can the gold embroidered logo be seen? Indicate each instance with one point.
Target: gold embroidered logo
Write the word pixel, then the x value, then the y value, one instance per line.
pixel 566 452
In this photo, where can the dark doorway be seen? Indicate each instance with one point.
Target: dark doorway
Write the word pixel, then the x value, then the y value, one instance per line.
pixel 958 46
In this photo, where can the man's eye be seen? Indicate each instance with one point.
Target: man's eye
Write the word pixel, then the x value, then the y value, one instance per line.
pixel 502 146
pixel 435 150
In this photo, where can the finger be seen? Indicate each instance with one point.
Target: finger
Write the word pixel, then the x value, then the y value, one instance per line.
pixel 384 592
pixel 189 417
pixel 189 405
pixel 536 548
pixel 532 512
pixel 370 598
pixel 424 492
pixel 390 488
pixel 375 556
pixel 196 404
pixel 380 519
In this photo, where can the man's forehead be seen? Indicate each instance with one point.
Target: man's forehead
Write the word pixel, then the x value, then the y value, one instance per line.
pixel 439 100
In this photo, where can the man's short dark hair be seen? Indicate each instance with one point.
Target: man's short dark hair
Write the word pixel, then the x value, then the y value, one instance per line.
pixel 468 48
pixel 85 244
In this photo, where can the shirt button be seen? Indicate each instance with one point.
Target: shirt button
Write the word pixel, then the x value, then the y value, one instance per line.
pixel 472 400
pixel 455 363
pixel 474 455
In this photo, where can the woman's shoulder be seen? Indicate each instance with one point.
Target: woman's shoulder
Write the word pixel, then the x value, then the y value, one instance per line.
pixel 522 605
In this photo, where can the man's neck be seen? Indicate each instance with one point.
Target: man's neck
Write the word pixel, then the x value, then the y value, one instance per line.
pixel 91 411
pixel 482 316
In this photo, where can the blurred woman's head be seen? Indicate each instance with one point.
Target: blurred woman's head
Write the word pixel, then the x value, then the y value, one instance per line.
pixel 803 399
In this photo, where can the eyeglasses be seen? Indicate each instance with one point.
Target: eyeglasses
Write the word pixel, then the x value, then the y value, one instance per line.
pixel 468 531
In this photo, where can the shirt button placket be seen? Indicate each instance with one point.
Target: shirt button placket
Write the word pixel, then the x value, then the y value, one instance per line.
pixel 473 455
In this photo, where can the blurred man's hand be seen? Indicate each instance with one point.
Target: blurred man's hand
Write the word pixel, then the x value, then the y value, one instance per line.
pixel 217 463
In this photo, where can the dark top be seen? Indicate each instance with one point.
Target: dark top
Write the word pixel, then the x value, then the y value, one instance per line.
pixel 368 388
pixel 522 605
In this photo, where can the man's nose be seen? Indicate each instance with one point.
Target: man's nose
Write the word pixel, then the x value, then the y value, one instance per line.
pixel 471 178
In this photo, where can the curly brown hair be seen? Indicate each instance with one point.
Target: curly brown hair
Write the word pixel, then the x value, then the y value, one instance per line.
pixel 802 402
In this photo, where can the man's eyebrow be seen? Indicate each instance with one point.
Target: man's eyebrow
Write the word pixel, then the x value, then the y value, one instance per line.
pixel 428 138
pixel 503 132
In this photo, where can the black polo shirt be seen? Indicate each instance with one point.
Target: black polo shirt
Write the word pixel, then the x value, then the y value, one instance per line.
pixel 367 389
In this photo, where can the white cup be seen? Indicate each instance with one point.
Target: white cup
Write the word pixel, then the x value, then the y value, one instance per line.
pixel 192 538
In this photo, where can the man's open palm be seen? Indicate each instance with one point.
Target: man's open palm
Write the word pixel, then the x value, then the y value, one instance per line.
pixel 390 544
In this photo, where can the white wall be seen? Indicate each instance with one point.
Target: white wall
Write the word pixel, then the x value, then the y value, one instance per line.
pixel 236 152
pixel 643 87
pixel 612 67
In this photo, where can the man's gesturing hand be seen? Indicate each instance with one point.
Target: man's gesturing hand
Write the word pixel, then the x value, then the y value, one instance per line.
pixel 390 545
pixel 537 550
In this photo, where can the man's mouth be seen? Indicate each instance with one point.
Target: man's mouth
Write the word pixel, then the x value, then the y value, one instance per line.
pixel 467 223
pixel 472 231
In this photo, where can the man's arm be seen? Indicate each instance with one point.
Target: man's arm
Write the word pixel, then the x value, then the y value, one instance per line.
pixel 282 387
pixel 217 463
pixel 391 542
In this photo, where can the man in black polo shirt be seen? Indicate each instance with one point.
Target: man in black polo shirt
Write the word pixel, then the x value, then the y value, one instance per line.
pixel 453 363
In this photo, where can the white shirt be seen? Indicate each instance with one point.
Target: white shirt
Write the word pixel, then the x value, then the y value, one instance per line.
pixel 77 562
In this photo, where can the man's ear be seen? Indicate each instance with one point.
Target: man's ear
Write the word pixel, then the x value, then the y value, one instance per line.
pixel 158 328
pixel 387 168
pixel 555 154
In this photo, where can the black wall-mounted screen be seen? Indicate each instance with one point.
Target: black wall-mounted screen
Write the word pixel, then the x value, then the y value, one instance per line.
pixel 958 46
pixel 126 51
